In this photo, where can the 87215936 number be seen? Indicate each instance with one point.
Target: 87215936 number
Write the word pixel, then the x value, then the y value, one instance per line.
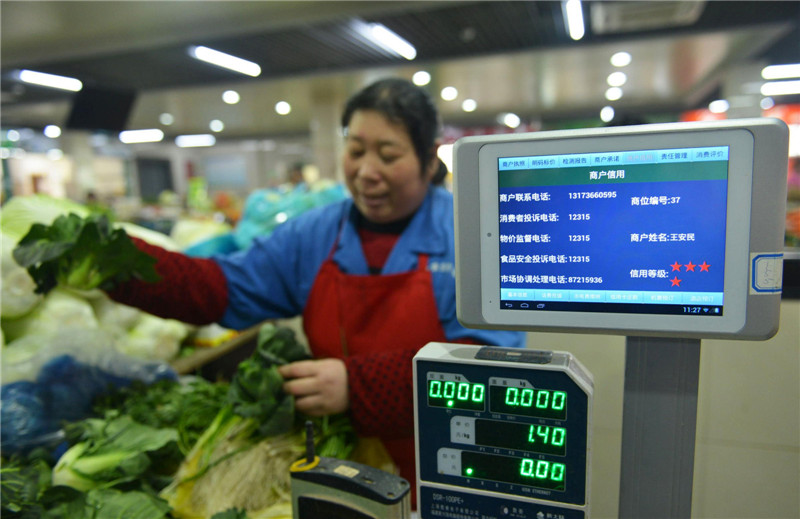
pixel 594 280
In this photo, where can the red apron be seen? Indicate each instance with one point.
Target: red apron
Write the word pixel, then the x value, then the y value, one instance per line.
pixel 350 315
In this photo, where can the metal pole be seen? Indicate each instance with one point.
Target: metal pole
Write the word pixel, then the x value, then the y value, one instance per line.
pixel 659 419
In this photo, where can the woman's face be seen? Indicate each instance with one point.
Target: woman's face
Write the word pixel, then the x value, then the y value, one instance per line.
pixel 381 169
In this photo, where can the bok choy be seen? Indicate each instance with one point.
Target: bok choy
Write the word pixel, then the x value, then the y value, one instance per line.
pixel 242 460
pixel 82 254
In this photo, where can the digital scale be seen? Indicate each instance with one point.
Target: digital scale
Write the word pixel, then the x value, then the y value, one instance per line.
pixel 663 233
pixel 501 432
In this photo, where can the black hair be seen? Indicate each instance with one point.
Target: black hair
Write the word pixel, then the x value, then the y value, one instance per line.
pixel 625 119
pixel 440 175
pixel 401 102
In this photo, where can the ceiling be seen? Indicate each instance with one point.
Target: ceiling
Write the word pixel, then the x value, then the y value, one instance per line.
pixel 507 55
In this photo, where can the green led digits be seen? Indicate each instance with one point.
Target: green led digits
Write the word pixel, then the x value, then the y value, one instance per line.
pixel 541 469
pixel 547 435
pixel 526 397
pixel 531 472
pixel 526 401
pixel 456 394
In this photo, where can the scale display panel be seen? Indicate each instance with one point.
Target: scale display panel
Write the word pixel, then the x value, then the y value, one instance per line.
pixel 652 230
pixel 501 429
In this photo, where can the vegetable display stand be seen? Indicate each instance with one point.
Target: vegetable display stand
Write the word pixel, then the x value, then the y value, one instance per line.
pixel 219 361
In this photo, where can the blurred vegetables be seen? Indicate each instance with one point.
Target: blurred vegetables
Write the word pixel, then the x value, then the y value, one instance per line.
pixel 23 482
pixel 242 460
pixel 153 338
pixel 20 212
pixel 53 378
pixel 112 452
pixel 168 448
pixel 58 310
pixel 188 406
pixel 81 253
pixel 256 407
pixel 17 297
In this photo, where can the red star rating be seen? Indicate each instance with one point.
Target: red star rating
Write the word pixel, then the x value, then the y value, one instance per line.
pixel 676 282
pixel 676 266
pixel 690 266
pixel 704 267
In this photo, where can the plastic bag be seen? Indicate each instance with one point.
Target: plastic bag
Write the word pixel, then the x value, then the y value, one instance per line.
pixel 265 209
pixel 50 379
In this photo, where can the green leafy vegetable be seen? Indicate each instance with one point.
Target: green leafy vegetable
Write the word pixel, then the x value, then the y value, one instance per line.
pixel 241 461
pixel 187 407
pixel 116 504
pixel 81 253
pixel 112 452
pixel 231 513
pixel 22 484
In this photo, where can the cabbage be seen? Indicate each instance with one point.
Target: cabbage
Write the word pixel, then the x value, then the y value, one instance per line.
pixel 16 294
pixel 154 338
pixel 115 317
pixel 20 212
pixel 59 308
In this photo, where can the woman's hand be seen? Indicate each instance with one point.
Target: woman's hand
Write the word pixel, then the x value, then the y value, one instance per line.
pixel 319 386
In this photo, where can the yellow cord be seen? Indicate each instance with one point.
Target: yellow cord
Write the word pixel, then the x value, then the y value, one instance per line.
pixel 302 465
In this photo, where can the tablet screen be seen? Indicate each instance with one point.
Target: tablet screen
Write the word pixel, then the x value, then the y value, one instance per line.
pixel 668 229
pixel 639 231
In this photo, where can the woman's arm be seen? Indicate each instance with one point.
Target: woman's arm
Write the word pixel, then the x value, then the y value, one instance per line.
pixel 191 290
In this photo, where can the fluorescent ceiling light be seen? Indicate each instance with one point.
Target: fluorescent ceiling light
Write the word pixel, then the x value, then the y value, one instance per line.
pixel 720 106
pixel 421 78
pixel 469 105
pixel 621 59
pixel 52 131
pixel 283 108
pixel 391 41
pixel 216 125
pixel 50 80
pixel 613 93
pixel 511 120
pixel 780 88
pixel 227 61
pixel 195 141
pixel 607 114
pixel 616 79
pixel 231 97
pixel 781 71
pixel 139 136
pixel 573 12
pixel 449 93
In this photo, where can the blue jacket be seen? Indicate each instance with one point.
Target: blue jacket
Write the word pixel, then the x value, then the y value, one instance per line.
pixel 273 278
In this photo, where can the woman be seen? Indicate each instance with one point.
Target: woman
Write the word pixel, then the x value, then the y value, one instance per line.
pixel 372 276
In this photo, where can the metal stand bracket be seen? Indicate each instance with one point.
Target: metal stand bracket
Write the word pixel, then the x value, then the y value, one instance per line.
pixel 659 421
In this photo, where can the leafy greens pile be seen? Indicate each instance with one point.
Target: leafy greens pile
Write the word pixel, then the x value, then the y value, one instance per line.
pixel 180 449
pixel 242 460
pixel 82 254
